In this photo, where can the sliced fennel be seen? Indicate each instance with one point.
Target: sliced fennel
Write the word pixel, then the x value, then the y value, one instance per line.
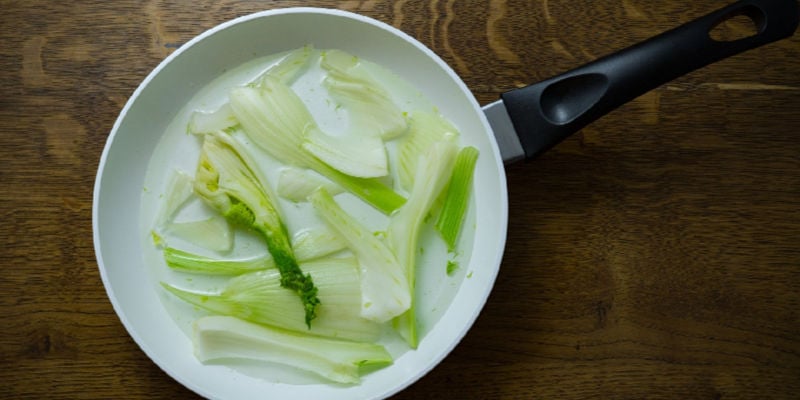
pixel 308 244
pixel 201 123
pixel 296 184
pixel 457 196
pixel 360 151
pixel 213 233
pixel 179 190
pixel 286 70
pixel 425 129
pixel 356 153
pixel 384 287
pixel 290 67
pixel 185 261
pixel 404 227
pixel 316 242
pixel 258 297
pixel 369 105
pixel 227 182
pixel 219 338
pixel 276 120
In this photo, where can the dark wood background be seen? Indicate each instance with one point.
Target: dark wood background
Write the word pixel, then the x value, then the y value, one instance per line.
pixel 653 255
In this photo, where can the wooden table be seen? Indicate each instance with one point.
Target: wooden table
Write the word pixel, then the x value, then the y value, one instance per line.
pixel 653 255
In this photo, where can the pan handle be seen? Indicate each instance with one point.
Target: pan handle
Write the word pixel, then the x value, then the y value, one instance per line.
pixel 545 113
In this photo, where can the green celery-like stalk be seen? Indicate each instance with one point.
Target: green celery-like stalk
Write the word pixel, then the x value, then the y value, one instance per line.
pixel 308 244
pixel 457 197
pixel 184 261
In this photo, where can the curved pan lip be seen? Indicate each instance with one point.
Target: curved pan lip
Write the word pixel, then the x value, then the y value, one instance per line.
pixel 431 354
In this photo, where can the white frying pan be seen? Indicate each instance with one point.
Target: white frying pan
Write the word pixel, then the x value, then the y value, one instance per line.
pixel 523 124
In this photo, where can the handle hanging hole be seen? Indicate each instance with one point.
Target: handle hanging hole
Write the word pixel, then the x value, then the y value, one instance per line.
pixel 569 98
pixel 739 24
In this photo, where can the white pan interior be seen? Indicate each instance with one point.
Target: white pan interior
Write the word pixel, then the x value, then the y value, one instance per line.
pixel 139 132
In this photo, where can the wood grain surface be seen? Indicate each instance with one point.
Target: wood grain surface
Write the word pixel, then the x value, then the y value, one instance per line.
pixel 653 255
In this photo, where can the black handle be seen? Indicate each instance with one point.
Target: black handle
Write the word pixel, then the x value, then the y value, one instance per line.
pixel 547 112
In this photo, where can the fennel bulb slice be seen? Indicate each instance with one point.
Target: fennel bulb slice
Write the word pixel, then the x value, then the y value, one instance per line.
pixel 179 190
pixel 369 104
pixel 290 66
pixel 425 129
pixel 404 226
pixel 358 154
pixel 384 286
pixel 259 298
pixel 213 233
pixel 296 184
pixel 220 338
pixel 319 241
pixel 201 123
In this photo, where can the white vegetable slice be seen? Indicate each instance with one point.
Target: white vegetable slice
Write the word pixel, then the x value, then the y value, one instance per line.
pixel 258 297
pixel 296 184
pixel 317 242
pixel 203 123
pixel 358 154
pixel 219 338
pixel 370 106
pixel 425 129
pixel 384 287
pixel 290 67
pixel 213 233
pixel 457 196
pixel 404 226
pixel 179 190
pixel 275 118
